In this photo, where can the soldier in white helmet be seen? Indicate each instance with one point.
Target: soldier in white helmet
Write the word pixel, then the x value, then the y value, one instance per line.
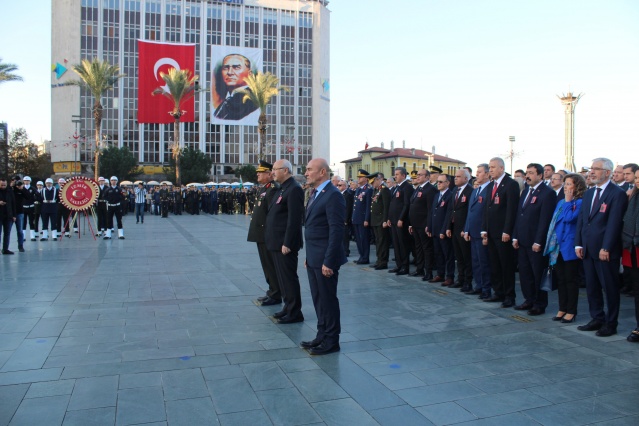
pixel 102 208
pixel 64 215
pixel 49 210
pixel 37 209
pixel 113 196
pixel 28 208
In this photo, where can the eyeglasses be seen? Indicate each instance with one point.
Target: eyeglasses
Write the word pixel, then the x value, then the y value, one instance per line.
pixel 278 168
pixel 598 169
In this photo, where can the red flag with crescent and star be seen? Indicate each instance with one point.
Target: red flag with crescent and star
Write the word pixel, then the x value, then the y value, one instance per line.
pixel 155 58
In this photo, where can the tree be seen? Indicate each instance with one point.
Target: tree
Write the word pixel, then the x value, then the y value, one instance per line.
pixel 6 72
pixel 196 166
pixel 247 172
pixel 97 77
pixel 119 162
pixel 260 91
pixel 181 87
pixel 25 158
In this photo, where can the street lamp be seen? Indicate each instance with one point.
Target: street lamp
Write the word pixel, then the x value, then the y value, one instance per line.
pixel 512 152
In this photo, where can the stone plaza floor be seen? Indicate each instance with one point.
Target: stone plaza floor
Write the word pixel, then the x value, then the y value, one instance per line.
pixel 161 328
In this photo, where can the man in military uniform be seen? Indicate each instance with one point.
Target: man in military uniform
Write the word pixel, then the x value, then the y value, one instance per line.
pixel 37 208
pixel 64 216
pixel 49 209
pixel 113 196
pixel 362 217
pixel 164 201
pixel 102 208
pixel 28 208
pixel 214 201
pixel 380 203
pixel 257 233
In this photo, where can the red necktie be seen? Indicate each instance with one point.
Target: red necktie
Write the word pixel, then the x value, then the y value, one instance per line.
pixel 492 197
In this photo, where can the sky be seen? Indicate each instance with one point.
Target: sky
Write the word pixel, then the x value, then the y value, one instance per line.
pixel 460 75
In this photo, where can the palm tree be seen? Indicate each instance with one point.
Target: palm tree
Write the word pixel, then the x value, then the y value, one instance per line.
pixel 6 71
pixel 97 77
pixel 180 87
pixel 261 88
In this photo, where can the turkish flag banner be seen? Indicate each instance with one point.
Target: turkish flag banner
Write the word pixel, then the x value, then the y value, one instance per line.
pixel 154 59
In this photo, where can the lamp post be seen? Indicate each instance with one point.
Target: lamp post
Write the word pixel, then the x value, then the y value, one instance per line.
pixel 512 152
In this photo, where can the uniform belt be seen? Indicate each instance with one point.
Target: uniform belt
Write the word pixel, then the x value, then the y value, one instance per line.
pixel 27 207
pixel 113 205
pixel 49 201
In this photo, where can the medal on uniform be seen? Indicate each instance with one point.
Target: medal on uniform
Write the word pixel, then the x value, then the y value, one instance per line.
pixel 603 208
pixel 278 200
pixel 463 198
pixel 497 199
pixel 397 195
pixel 533 200
pixel 480 199
pixel 419 195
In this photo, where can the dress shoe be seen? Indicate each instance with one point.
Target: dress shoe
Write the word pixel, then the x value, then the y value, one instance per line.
pixel 447 282
pixel 262 298
pixel 524 306
pixel 416 274
pixel 271 302
pixel 402 272
pixel 427 276
pixel 455 285
pixel 565 320
pixel 21 249
pixel 393 271
pixel 473 292
pixel 593 325
pixel 536 311
pixel 290 320
pixel 437 279
pixel 278 315
pixel 634 336
pixel 508 303
pixel 362 262
pixel 7 252
pixel 310 344
pixel 606 330
pixel 485 297
pixel 465 289
pixel 494 299
pixel 381 267
pixel 324 349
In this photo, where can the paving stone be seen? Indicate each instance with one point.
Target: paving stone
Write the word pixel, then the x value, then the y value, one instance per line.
pixel 94 392
pixel 90 417
pixel 10 399
pixel 140 405
pixel 192 412
pixel 48 410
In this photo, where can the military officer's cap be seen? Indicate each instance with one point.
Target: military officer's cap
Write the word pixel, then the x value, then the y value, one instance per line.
pixel 413 174
pixel 362 173
pixel 371 178
pixel 435 169
pixel 264 167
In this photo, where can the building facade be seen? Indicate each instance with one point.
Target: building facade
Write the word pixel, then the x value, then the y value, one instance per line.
pixel 294 37
pixel 381 160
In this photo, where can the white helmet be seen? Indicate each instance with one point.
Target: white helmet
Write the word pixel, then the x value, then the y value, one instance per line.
pixel 100 179
pixel 114 178
pixel 26 178
pixel 61 181
pixel 49 180
pixel 40 183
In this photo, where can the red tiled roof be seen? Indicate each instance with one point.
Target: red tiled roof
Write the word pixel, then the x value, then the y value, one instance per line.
pixel 404 152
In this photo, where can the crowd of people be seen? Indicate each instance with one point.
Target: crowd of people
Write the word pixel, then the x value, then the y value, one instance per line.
pixel 558 229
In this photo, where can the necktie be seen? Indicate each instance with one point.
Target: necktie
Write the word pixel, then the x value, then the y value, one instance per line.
pixel 595 202
pixel 311 199
pixel 457 195
pixel 492 197
pixel 528 197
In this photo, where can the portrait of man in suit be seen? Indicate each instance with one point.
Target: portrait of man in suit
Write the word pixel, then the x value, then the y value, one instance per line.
pixel 229 78
pixel 323 233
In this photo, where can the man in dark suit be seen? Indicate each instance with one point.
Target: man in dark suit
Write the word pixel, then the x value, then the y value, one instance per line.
pixel 497 229
pixel 284 239
pixel 348 219
pixel 362 217
pixel 456 220
pixel 399 222
pixel 598 243
pixel 323 229
pixel 436 228
pixel 257 229
pixel 380 204
pixel 534 214
pixel 472 233
pixel 420 207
